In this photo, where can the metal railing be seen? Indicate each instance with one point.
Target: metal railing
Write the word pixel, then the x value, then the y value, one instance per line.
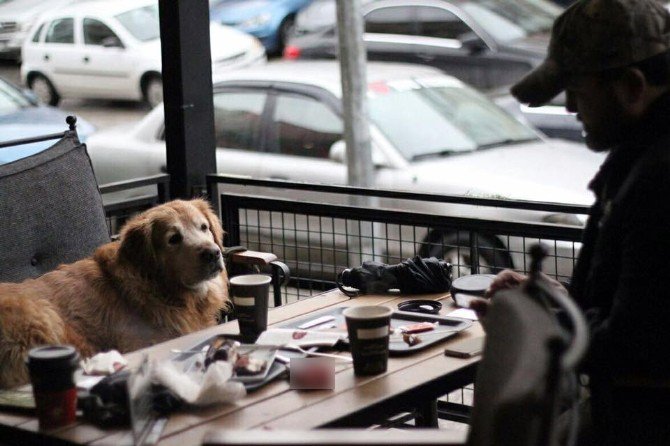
pixel 151 190
pixel 318 230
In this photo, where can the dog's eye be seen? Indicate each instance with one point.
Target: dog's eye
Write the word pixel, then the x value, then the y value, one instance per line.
pixel 175 239
pixel 203 227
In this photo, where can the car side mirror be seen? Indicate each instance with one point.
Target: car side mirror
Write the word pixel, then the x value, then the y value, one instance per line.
pixel 112 42
pixel 472 42
pixel 338 153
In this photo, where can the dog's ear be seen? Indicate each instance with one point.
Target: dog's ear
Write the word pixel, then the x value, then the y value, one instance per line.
pixel 214 222
pixel 137 245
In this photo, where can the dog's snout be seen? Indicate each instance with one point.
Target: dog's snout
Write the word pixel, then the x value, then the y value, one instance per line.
pixel 210 255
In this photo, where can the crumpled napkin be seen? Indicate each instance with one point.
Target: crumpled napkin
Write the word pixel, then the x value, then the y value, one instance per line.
pixel 103 363
pixel 212 387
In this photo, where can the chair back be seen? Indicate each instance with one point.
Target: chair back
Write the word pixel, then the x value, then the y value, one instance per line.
pixel 528 366
pixel 51 211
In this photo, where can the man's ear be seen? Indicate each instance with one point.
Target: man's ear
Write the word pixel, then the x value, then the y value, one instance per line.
pixel 633 91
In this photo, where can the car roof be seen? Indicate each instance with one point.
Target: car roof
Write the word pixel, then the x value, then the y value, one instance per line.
pixel 100 7
pixel 325 73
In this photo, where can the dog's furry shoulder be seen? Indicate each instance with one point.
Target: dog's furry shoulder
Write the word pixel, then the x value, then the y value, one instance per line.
pixel 165 277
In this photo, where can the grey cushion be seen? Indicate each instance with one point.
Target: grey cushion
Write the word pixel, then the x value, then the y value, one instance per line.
pixel 51 211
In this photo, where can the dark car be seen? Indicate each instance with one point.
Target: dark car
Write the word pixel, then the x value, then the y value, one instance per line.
pixel 485 43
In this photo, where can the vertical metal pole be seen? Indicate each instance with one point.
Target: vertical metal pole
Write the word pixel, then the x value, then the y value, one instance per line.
pixel 474 253
pixel 354 89
pixel 230 217
pixel 360 170
pixel 187 86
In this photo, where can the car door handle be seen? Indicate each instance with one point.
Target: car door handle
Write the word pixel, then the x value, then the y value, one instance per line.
pixel 426 57
pixel 86 59
pixel 46 57
pixel 274 177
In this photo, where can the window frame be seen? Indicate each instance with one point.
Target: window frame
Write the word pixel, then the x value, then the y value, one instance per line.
pixel 319 94
pixel 83 31
pixel 51 24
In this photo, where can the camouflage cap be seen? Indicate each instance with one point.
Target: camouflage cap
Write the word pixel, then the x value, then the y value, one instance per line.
pixel 596 35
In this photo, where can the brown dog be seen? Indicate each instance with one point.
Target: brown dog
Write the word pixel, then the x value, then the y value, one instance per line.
pixel 164 278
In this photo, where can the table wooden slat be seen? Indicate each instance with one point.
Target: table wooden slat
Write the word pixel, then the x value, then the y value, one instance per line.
pixel 276 405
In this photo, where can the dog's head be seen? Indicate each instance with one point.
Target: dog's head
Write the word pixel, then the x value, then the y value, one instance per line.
pixel 180 242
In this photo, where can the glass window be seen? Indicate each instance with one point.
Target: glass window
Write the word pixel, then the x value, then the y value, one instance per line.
pixel 393 20
pixel 36 36
pixel 61 31
pixel 512 19
pixel 95 32
pixel 305 127
pixel 142 23
pixel 440 117
pixel 438 22
pixel 237 119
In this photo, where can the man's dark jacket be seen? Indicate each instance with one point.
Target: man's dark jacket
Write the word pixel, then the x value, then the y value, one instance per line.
pixel 622 277
pixel 622 282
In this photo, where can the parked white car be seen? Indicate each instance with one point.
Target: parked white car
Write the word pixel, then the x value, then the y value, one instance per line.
pixel 112 50
pixel 17 18
pixel 430 133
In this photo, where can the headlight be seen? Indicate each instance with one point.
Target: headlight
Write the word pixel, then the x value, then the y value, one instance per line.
pixel 256 21
pixel 564 219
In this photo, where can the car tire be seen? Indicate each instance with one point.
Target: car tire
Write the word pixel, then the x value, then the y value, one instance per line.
pixel 454 247
pixel 153 91
pixel 44 90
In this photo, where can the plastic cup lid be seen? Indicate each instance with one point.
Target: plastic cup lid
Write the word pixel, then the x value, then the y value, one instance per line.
pixel 476 284
pixel 53 357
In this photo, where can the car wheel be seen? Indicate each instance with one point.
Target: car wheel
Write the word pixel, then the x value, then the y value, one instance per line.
pixel 285 31
pixel 153 91
pixel 455 249
pixel 44 90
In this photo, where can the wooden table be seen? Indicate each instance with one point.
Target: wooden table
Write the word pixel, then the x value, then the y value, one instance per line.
pixel 413 381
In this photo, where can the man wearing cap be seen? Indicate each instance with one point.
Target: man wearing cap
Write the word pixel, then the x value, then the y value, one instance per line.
pixel 612 59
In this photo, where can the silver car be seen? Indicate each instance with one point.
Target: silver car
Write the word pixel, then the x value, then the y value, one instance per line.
pixel 430 133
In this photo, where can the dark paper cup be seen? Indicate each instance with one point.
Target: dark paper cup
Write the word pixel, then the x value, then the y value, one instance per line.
pixel 369 328
pixel 250 298
pixel 51 369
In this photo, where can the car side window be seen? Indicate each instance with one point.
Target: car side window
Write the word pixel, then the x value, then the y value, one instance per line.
pixel 391 20
pixel 439 22
pixel 304 126
pixel 38 33
pixel 95 32
pixel 237 119
pixel 61 31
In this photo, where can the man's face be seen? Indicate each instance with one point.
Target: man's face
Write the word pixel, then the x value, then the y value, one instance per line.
pixel 605 120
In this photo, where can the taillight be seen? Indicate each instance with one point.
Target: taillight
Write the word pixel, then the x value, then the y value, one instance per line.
pixel 291 52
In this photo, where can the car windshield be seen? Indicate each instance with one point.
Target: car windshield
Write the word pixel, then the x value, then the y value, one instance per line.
pixel 440 116
pixel 11 100
pixel 513 19
pixel 142 23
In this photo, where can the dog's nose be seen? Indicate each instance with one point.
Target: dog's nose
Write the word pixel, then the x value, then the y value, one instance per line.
pixel 210 255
